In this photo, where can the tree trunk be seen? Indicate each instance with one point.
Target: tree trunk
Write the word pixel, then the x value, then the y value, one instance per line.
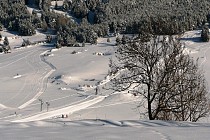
pixel 150 111
pixel 149 104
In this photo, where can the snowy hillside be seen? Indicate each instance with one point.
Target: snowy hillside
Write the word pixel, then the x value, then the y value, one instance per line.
pixel 71 83
pixel 66 78
pixel 104 130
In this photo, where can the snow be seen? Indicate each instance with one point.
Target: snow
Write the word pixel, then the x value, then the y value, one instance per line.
pixel 17 76
pixel 65 110
pixel 2 106
pixel 67 78
pixel 104 129
pixel 59 2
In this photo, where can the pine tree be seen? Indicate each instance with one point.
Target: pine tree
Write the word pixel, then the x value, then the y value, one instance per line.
pixel 56 5
pixel 108 40
pixel 1 27
pixel 205 34
pixel 6 41
pixel 118 40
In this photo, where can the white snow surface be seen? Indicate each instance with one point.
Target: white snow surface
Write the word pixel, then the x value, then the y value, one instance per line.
pixel 65 80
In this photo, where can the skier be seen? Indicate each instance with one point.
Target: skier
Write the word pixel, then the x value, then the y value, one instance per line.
pixel 96 90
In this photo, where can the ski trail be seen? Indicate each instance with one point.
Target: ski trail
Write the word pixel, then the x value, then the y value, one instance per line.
pixel 56 99
pixel 10 63
pixel 42 89
pixel 22 89
pixel 163 136
pixel 66 110
pixel 38 94
pixel 103 82
pixel 109 78
pixel 11 58
pixel 153 130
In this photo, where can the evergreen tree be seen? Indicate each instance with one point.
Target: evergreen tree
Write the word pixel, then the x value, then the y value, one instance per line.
pixel 1 27
pixel 205 34
pixel 124 40
pixel 108 40
pixel 118 40
pixel 83 44
pixel 6 41
pixel 56 5
pixel 80 10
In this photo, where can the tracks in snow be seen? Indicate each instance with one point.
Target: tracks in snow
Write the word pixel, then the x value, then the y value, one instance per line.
pixel 66 110
pixel 42 83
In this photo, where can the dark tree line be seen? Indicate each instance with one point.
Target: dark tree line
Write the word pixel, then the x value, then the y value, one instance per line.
pixel 94 18
pixel 15 17
pixel 159 17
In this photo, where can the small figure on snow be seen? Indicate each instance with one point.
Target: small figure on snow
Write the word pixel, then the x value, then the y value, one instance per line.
pixel 97 90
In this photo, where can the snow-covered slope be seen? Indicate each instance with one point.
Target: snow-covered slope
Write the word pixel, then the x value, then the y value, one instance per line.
pixel 104 130
pixel 67 79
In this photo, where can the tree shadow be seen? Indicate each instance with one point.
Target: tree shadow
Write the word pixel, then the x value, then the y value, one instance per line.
pixel 161 123
pixel 192 39
pixel 106 44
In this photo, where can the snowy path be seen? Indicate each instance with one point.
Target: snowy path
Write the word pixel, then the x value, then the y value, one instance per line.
pixel 15 58
pixel 39 93
pixel 65 110
pixel 26 73
pixel 36 81
pixel 27 58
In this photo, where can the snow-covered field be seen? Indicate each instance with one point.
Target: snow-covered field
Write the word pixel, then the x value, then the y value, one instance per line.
pixel 104 130
pixel 65 80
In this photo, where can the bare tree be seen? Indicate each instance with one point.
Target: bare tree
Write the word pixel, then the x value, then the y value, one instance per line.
pixel 186 99
pixel 167 78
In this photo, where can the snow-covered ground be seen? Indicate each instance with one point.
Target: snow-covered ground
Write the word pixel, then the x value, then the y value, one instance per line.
pixel 65 80
pixel 104 130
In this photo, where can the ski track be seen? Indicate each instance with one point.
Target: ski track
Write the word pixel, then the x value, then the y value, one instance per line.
pixel 37 85
pixel 42 83
pixel 41 87
pixel 153 130
pixel 10 63
pixel 55 99
pixel 13 58
pixel 15 55
pixel 77 102
pixel 162 136
pixel 66 110
pixel 39 93
pixel 27 80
